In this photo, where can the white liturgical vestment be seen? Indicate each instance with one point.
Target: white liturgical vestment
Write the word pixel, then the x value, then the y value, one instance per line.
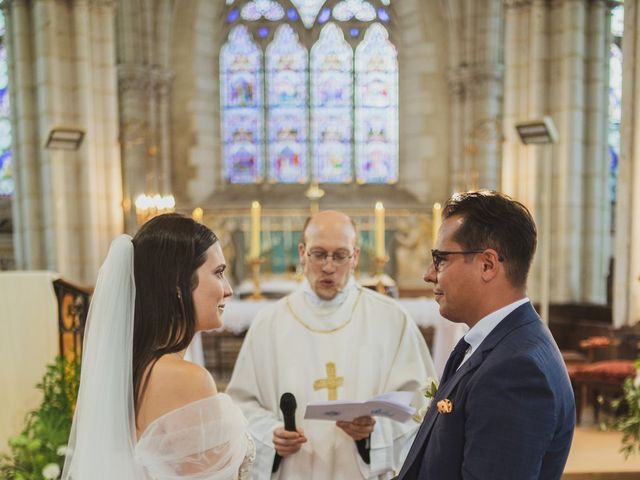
pixel 359 345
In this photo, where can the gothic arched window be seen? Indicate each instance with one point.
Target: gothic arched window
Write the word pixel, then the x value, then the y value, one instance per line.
pixel 6 177
pixel 309 92
pixel 615 94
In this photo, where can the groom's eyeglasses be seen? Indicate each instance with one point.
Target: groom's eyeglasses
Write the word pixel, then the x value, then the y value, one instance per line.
pixel 439 256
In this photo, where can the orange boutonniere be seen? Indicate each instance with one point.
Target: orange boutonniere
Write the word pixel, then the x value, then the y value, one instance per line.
pixel 445 406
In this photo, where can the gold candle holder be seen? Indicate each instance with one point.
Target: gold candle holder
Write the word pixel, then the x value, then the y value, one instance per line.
pixel 255 276
pixel 380 262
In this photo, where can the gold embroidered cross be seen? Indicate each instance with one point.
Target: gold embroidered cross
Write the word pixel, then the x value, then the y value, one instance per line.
pixel 331 383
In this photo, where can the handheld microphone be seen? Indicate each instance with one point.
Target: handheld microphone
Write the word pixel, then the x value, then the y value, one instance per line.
pixel 288 407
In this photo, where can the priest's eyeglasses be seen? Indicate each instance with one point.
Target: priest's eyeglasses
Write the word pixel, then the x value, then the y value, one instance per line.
pixel 439 256
pixel 339 257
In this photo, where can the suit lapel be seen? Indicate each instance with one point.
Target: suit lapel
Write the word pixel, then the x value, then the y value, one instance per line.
pixel 520 316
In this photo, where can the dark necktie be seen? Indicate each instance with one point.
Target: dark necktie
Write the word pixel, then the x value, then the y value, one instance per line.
pixel 455 359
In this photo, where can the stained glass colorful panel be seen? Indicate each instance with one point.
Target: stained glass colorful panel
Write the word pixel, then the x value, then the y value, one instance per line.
pixel 617 20
pixel 241 99
pixel 256 9
pixel 287 120
pixel 376 108
pixel 332 106
pixel 348 9
pixel 6 172
pixel 615 97
pixel 308 10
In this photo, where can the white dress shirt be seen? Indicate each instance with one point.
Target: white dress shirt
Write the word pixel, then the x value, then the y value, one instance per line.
pixel 485 326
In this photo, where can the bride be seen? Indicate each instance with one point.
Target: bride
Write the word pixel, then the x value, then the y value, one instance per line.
pixel 143 412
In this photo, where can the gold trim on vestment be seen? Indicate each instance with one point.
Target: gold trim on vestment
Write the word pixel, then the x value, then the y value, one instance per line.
pixel 318 330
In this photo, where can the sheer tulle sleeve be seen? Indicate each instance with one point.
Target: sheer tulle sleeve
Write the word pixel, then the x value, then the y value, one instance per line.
pixel 202 440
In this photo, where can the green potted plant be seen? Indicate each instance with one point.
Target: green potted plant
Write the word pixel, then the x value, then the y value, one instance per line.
pixel 628 422
pixel 37 453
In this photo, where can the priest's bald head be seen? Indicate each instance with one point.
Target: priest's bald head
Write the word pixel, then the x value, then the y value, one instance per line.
pixel 328 252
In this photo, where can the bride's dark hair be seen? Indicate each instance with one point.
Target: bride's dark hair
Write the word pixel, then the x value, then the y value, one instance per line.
pixel 168 250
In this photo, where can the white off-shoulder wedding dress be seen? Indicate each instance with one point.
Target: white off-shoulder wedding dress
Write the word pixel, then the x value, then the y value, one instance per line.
pixel 206 439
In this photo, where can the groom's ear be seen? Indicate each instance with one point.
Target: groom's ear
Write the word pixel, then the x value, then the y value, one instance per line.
pixel 491 264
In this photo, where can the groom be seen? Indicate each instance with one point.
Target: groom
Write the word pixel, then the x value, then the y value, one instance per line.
pixel 505 408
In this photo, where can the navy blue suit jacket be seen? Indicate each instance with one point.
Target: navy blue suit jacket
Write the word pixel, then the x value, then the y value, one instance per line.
pixel 513 411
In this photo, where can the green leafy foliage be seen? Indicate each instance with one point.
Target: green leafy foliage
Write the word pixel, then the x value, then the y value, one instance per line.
pixel 629 422
pixel 41 444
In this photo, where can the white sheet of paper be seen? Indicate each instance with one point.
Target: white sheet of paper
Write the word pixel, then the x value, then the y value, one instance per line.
pixel 393 405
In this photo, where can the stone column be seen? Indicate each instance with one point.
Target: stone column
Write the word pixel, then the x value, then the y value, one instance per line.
pixel 138 173
pixel 144 84
pixel 476 83
pixel 26 207
pixel 626 304
pixel 596 209
pixel 67 202
pixel 555 66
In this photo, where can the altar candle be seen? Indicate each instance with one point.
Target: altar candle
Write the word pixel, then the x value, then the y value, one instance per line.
pixel 254 250
pixel 436 221
pixel 379 230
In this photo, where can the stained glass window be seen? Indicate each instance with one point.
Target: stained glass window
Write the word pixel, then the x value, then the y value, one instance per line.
pixel 332 106
pixel 376 107
pixel 6 177
pixel 615 95
pixel 359 9
pixel 256 9
pixel 287 119
pixel 242 103
pixel 308 10
pixel 303 110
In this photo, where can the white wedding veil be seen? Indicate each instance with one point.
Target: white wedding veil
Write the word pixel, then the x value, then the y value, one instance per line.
pixel 103 434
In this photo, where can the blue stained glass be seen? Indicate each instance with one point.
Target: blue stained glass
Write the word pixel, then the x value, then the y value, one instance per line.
pixel 263 32
pixel 376 108
pixel 234 14
pixel 6 170
pixel 615 113
pixel 332 104
pixel 617 20
pixel 241 98
pixel 292 14
pixel 256 9
pixel 308 10
pixel 348 9
pixel 354 32
pixel 384 15
pixel 287 121
pixel 6 174
pixel 324 16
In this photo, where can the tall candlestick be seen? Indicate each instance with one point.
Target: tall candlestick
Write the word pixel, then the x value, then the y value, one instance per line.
pixel 379 231
pixel 254 250
pixel 436 221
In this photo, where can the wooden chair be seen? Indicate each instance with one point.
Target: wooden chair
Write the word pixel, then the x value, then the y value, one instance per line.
pixel 599 381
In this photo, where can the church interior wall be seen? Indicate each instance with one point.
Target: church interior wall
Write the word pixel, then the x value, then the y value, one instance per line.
pixel 424 100
pixel 468 72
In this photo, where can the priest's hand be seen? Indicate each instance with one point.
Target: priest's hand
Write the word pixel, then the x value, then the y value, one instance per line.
pixel 358 428
pixel 287 443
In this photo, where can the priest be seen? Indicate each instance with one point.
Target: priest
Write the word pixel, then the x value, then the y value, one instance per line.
pixel 329 340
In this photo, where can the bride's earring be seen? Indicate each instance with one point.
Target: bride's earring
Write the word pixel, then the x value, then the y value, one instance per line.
pixel 179 294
